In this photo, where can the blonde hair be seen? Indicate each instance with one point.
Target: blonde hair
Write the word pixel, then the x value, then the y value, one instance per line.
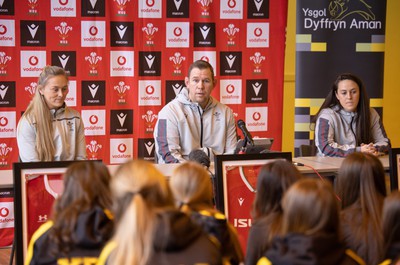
pixel 140 192
pixel 191 185
pixel 38 113
pixel 310 208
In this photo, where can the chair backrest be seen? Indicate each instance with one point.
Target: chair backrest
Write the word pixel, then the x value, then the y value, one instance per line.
pixel 307 150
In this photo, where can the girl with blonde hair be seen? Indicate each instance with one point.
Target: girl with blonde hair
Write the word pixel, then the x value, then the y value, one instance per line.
pixel 49 130
pixel 150 230
pixel 192 188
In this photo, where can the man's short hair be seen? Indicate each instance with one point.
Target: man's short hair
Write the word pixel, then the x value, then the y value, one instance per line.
pixel 201 64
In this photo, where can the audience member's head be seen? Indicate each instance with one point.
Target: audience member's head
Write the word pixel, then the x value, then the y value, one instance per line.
pixel 192 188
pixel 191 185
pixel 361 178
pixel 140 192
pixel 391 225
pixel 86 186
pixel 310 207
pixel 361 187
pixel 311 228
pixel 272 182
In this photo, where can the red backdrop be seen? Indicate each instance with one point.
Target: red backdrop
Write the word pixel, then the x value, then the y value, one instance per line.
pixel 127 59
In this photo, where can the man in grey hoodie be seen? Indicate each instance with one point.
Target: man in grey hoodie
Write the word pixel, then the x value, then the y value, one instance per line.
pixel 195 120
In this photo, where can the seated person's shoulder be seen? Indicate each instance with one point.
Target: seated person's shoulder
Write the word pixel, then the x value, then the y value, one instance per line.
pixel 327 111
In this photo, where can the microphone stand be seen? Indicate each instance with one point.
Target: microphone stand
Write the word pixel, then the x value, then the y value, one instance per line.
pixel 243 148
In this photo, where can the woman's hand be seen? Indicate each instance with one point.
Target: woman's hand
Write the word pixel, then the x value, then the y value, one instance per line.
pixel 369 148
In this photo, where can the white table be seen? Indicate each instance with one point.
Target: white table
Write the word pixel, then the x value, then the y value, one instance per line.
pixel 323 165
pixel 327 164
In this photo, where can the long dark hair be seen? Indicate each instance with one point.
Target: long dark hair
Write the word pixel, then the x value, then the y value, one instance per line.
pixel 363 119
pixel 391 223
pixel 361 183
pixel 86 184
pixel 310 207
pixel 272 182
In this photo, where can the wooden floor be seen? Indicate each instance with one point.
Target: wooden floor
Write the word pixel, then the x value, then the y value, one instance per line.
pixel 5 256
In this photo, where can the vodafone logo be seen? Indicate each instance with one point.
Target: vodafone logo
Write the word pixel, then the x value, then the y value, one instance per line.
pixel 205 58
pixel 3 29
pixel 33 60
pixel 93 119
pixel 4 212
pixel 150 3
pixel 150 90
pixel 256 116
pixel 3 121
pixel 93 30
pixel 121 60
pixel 121 148
pixel 178 31
pixel 230 89
pixel 257 32
pixel 231 3
pixel 63 2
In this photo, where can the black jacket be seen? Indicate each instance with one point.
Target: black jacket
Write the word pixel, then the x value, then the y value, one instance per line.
pixel 177 241
pixel 297 249
pixel 215 224
pixel 392 255
pixel 257 241
pixel 94 228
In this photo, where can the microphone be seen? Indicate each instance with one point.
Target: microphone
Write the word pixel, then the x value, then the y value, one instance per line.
pixel 247 136
pixel 200 157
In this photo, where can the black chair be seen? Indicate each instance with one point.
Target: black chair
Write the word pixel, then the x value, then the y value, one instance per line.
pixel 307 150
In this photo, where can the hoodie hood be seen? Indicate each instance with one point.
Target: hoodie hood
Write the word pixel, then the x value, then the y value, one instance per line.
pixel 183 97
pixel 93 228
pixel 306 250
pixel 344 113
pixel 175 231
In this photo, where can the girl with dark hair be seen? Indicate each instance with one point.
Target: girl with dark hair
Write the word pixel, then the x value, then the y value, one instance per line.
pixel 81 223
pixel 150 229
pixel 361 186
pixel 310 228
pixel 391 228
pixel 272 182
pixel 345 123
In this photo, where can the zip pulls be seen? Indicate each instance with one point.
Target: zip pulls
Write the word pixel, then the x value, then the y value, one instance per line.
pixel 201 111
pixel 351 128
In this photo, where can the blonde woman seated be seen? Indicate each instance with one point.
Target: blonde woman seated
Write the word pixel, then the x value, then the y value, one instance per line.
pixel 310 228
pixel 149 228
pixel 191 185
pixel 49 130
pixel 81 223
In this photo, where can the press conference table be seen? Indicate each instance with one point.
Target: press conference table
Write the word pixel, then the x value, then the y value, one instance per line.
pixel 323 165
pixel 327 164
